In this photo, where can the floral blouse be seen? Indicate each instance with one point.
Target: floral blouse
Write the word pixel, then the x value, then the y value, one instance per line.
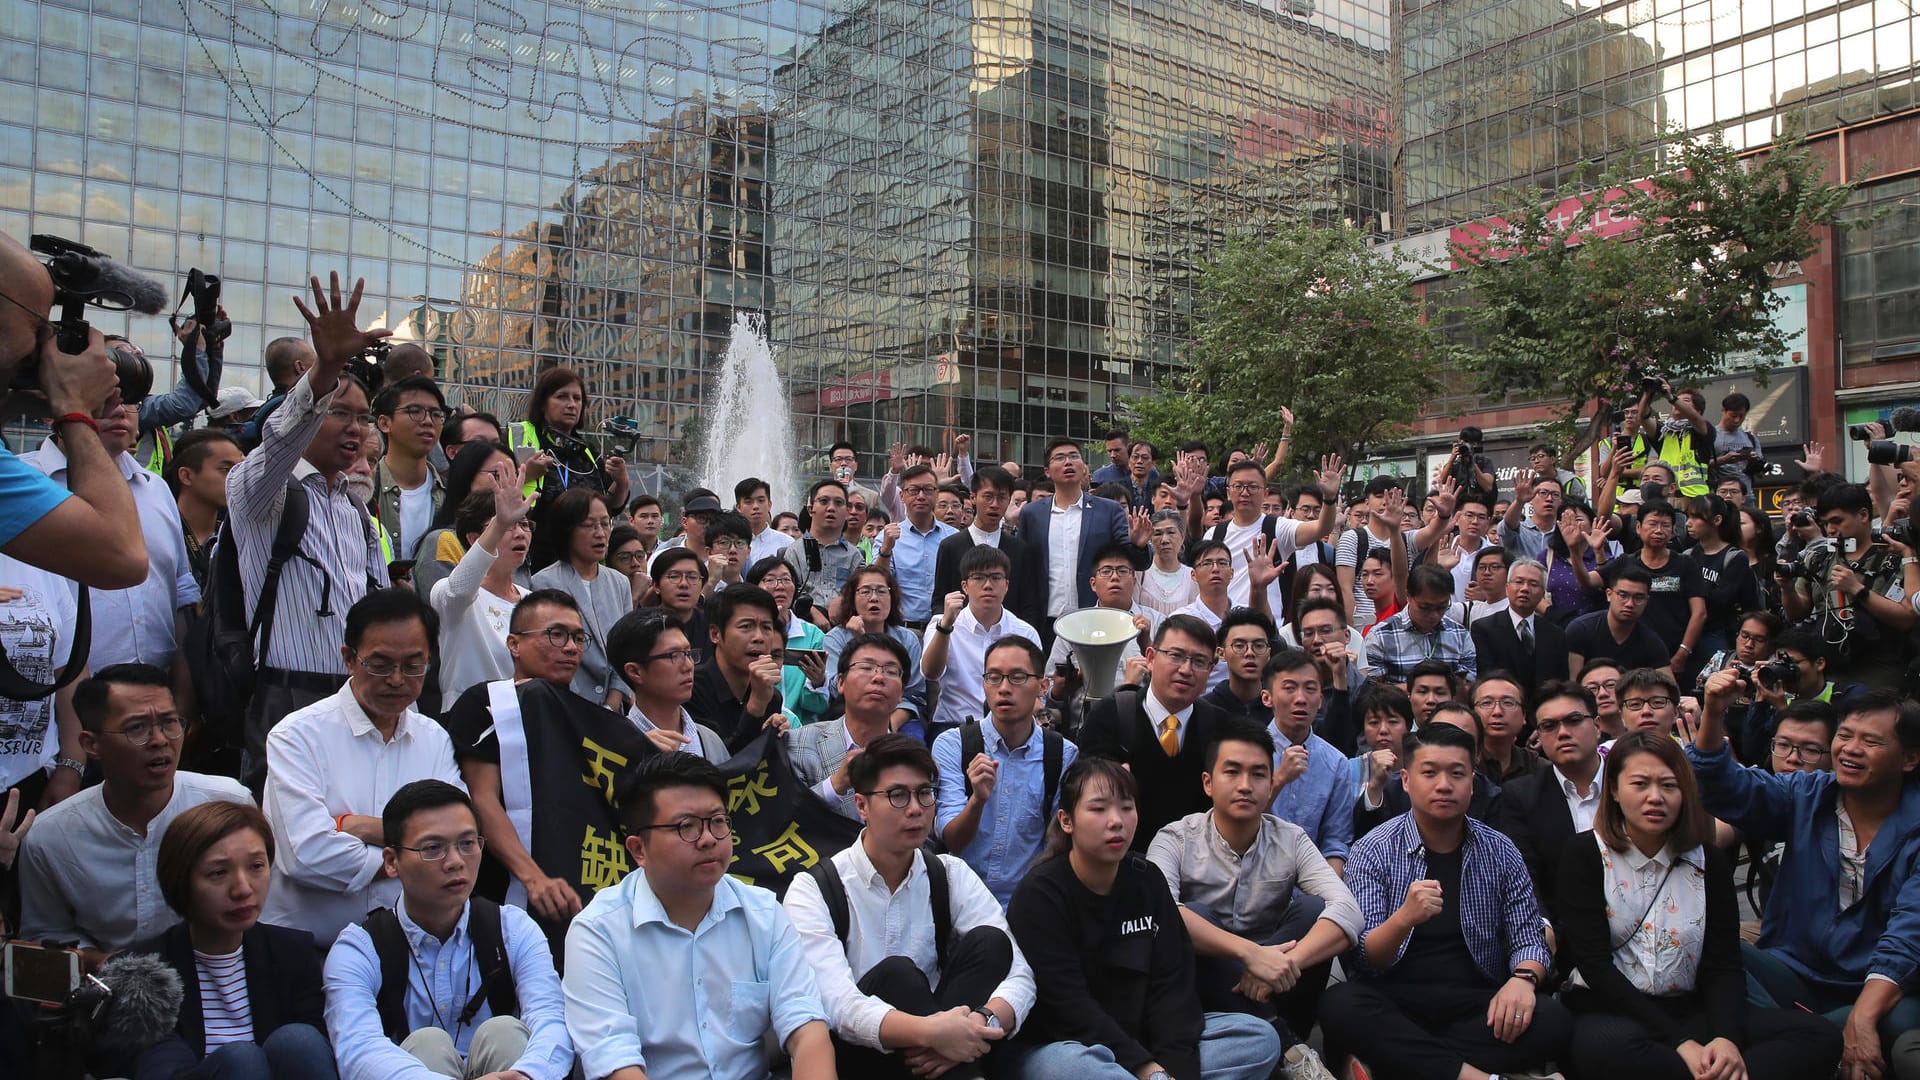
pixel 1659 954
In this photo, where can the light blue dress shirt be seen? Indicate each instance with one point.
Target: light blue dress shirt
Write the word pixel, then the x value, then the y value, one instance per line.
pixel 642 991
pixel 1321 799
pixel 912 566
pixel 1013 824
pixel 441 979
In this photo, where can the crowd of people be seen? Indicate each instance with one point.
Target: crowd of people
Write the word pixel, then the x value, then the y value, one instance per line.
pixel 1506 759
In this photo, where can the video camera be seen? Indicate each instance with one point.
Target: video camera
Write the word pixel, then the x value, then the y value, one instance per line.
pixel 130 1005
pixel 1882 450
pixel 83 276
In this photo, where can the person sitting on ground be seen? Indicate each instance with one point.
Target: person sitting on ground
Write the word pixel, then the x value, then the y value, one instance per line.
pixel 1266 913
pixel 1325 636
pixel 1650 923
pixel 439 983
pixel 1421 631
pixel 803 675
pixel 1431 684
pixel 679 588
pixel 1650 700
pixel 736 691
pixel 872 672
pixel 916 966
pixel 653 655
pixel 1540 810
pixel 1502 706
pixel 1111 957
pixel 252 1005
pixel 1452 956
pixel 1837 936
pixel 1246 641
pixel 582 522
pixel 1115 587
pixel 475 602
pixel 1309 773
pixel 870 604
pixel 1386 715
pixel 1601 678
pixel 954 656
pixel 640 957
pixel 1393 799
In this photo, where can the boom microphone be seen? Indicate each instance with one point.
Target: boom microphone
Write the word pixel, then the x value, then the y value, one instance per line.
pixel 84 274
pixel 142 1003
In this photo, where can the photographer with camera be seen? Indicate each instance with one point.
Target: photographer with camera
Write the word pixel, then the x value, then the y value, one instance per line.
pixel 92 537
pixel 1684 440
pixel 1796 672
pixel 1736 452
pixel 1469 465
pixel 161 413
pixel 1851 588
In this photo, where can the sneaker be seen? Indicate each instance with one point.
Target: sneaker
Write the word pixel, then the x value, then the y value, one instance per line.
pixel 1356 1071
pixel 1301 1063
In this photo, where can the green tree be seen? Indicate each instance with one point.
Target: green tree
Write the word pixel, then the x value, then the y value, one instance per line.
pixel 1309 319
pixel 1562 314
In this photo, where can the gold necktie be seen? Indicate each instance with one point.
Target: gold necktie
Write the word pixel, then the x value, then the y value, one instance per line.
pixel 1170 735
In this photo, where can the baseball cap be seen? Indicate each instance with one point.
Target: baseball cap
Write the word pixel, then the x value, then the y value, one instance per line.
pixel 233 399
pixel 701 501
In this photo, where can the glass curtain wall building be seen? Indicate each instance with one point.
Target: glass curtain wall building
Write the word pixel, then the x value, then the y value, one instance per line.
pixel 967 215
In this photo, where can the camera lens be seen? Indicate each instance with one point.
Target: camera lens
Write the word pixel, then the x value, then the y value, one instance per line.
pixel 135 375
pixel 1860 432
pixel 1887 452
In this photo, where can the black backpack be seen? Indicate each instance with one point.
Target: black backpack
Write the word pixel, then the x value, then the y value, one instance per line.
pixel 1053 752
pixel 489 948
pixel 224 650
pixel 834 892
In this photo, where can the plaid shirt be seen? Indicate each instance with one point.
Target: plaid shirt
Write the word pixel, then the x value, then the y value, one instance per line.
pixel 1498 914
pixel 1394 647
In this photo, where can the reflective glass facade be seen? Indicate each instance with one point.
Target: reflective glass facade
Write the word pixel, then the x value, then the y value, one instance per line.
pixel 976 214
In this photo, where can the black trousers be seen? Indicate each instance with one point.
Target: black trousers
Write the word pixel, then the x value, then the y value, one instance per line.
pixel 977 963
pixel 1780 1044
pixel 1296 1010
pixel 1419 1032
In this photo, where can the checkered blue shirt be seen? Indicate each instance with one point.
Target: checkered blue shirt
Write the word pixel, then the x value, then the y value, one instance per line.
pixel 1394 647
pixel 1499 917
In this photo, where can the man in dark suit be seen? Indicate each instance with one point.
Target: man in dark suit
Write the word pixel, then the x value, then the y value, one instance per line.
pixel 1065 529
pixel 992 494
pixel 1542 811
pixel 1519 639
pixel 1161 731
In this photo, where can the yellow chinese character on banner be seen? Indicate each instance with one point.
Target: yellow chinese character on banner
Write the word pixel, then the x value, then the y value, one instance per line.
pixel 747 791
pixel 788 848
pixel 598 775
pixel 603 860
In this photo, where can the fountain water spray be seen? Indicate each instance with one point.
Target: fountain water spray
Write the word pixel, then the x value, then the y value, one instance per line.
pixel 750 420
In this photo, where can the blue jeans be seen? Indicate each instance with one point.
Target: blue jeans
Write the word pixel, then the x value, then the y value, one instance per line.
pixel 1233 1046
pixel 1771 984
pixel 292 1052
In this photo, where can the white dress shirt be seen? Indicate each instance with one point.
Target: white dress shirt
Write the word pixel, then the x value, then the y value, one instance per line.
pixel 883 922
pixel 1063 559
pixel 962 694
pixel 137 625
pixel 987 539
pixel 767 543
pixel 1157 714
pixel 85 876
pixel 323 761
pixel 1659 952
pixel 1582 807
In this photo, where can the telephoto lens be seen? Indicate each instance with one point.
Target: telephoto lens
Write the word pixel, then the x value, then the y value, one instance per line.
pixel 1887 452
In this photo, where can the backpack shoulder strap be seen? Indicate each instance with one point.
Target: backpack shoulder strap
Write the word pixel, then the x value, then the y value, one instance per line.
pixel 972 742
pixel 1053 754
pixel 1218 533
pixel 942 907
pixel 497 989
pixel 390 945
pixel 1269 524
pixel 834 892
pixel 294 514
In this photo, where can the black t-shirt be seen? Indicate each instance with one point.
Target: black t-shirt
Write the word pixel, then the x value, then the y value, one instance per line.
pixel 1589 637
pixel 1437 952
pixel 469 724
pixel 1674 587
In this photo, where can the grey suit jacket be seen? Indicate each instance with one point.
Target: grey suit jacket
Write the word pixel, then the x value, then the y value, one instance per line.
pixel 817 751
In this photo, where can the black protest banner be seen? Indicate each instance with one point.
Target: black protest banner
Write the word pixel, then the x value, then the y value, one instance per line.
pixel 579 757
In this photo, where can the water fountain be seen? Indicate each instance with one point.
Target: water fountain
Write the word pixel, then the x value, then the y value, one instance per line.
pixel 750 421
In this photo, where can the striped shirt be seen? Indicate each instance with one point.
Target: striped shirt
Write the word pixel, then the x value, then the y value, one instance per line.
pixel 338 537
pixel 223 997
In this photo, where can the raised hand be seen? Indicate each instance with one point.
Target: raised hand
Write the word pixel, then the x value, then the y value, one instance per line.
pixel 1522 487
pixel 943 468
pixel 961 445
pixel 334 328
pixel 1331 468
pixel 1445 494
pixel 896 457
pixel 1815 457
pixel 1260 453
pixel 1139 527
pixel 1261 570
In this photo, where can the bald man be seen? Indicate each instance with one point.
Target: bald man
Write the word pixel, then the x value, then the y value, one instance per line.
pixel 88 530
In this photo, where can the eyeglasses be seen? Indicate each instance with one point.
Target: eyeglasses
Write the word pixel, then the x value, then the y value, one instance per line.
pixel 987 579
pixel 899 796
pixel 1213 564
pixel 1065 456
pixel 1753 639
pixel 1791 751
pixel 871 668
pixel 1505 703
pixel 770 580
pixel 140 732
pixel 1244 485
pixel 678 656
pixel 1016 678
pixel 417 413
pixel 435 850
pixel 381 668
pixel 350 418
pixel 682 577
pixel 1573 719
pixel 1322 633
pixel 560 636
pixel 598 525
pixel 920 490
pixel 1637 704
pixel 1608 685
pixel 689 829
pixel 1113 573
pixel 1190 661
pixel 871 591
pixel 1247 648
pixel 629 558
pixel 828 501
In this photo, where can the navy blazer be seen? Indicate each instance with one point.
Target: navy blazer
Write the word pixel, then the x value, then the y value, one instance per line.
pixel 283 980
pixel 1102 522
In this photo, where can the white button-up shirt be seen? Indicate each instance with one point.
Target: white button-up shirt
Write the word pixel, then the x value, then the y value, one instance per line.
pixel 1063 559
pixel 962 694
pixel 323 761
pixel 137 625
pixel 766 544
pixel 987 539
pixel 1582 807
pixel 644 992
pixel 883 922
pixel 85 876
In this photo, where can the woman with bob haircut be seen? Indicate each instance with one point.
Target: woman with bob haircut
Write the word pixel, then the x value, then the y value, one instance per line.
pixel 1649 919
pixel 254 1006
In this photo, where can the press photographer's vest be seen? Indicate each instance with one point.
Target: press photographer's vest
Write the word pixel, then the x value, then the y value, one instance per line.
pixel 522 436
pixel 1689 473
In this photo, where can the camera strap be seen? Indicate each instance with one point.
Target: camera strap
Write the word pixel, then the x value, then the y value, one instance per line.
pixel 204 291
pixel 17 687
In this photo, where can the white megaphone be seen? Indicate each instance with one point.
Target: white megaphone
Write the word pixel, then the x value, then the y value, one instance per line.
pixel 1098 636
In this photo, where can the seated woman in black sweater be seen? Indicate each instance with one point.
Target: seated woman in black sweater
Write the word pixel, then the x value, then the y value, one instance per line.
pixel 1649 920
pixel 254 1005
pixel 1112 959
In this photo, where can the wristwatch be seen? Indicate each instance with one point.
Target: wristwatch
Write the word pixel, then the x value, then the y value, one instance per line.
pixel 79 767
pixel 988 1017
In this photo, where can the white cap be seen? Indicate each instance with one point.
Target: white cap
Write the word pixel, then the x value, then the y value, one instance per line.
pixel 234 399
